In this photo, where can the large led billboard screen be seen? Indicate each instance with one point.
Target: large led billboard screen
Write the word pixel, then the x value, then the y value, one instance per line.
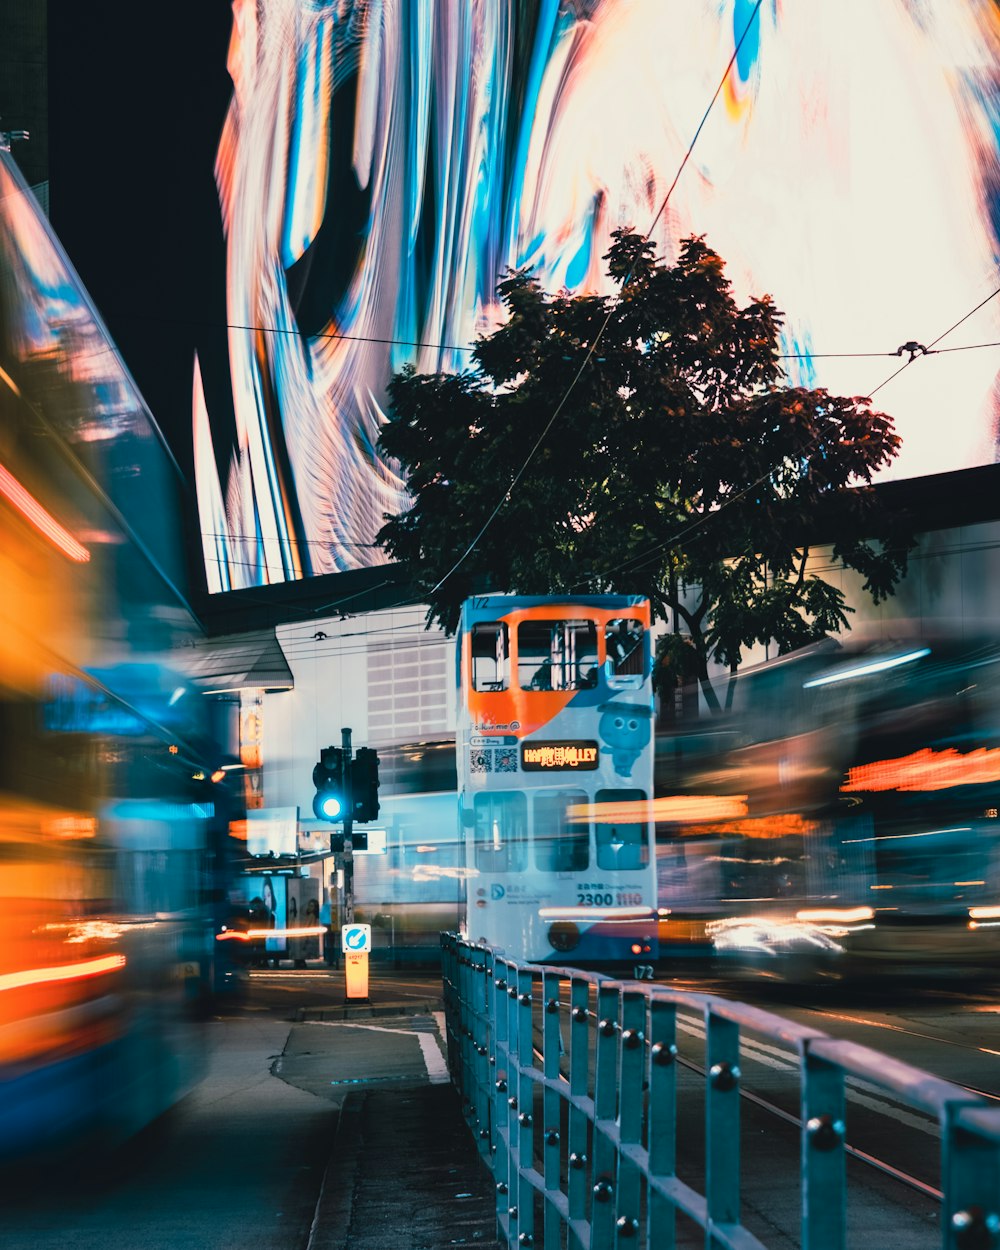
pixel 382 164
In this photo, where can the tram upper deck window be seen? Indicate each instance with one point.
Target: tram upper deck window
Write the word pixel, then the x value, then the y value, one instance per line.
pixel 490 656
pixel 623 646
pixel 557 655
pixel 562 837
pixel 621 841
pixel 500 822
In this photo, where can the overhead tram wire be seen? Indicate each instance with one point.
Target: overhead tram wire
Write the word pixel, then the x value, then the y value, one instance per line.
pixel 320 334
pixel 611 311
pixel 470 347
pixel 639 561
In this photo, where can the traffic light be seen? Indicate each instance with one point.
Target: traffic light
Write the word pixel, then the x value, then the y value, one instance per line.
pixel 331 799
pixel 364 785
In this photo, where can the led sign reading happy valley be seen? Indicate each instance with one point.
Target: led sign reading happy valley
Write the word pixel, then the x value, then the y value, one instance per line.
pixel 545 756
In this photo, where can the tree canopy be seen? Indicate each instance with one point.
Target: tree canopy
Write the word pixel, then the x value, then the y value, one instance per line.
pixel 668 460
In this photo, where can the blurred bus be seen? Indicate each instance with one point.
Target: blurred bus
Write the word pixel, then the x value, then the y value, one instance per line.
pixel 108 810
pixel 842 821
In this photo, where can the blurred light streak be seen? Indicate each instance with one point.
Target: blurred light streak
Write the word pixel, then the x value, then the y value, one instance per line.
pixel 69 828
pixel 844 915
pixel 780 825
pixel 63 972
pixel 9 381
pixel 249 935
pixel 773 935
pixel 682 807
pixel 865 670
pixel 42 520
pixel 927 770
pixel 904 837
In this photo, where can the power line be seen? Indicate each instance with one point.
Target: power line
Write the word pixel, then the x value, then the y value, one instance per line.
pixel 968 347
pixel 687 529
pixel 471 347
pixel 323 334
pixel 294 540
pixel 981 304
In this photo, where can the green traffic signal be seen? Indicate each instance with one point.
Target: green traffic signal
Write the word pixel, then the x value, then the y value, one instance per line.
pixel 330 799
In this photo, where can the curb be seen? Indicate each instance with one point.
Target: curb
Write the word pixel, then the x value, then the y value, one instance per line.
pixel 365 1011
pixel 331 1222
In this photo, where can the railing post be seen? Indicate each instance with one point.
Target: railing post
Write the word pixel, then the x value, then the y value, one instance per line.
pixel 579 1088
pixel 630 1097
pixel 722 1121
pixel 525 1130
pixel 480 1049
pixel 605 1109
pixel 467 984
pixel 824 1174
pixel 970 1178
pixel 448 945
pixel 551 1104
pixel 662 1131
pixel 502 1093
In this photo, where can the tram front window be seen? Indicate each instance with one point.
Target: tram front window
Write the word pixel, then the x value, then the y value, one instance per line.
pixel 621 839
pixel 501 831
pixel 557 655
pixel 562 844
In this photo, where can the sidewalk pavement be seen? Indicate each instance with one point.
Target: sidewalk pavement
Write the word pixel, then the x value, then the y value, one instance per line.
pixel 405 1172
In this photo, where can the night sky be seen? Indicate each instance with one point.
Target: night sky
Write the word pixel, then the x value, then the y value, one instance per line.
pixel 138 95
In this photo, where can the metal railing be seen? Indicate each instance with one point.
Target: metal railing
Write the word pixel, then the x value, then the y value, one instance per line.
pixel 568 1081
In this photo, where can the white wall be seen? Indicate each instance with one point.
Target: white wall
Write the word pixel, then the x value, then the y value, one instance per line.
pixel 332 692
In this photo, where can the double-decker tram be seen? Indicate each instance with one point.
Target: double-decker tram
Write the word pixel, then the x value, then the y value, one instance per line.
pixel 555 775
pixel 107 804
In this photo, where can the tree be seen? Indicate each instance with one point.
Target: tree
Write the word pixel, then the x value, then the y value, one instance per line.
pixel 669 460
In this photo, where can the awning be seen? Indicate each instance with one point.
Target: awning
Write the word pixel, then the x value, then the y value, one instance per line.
pixel 234 662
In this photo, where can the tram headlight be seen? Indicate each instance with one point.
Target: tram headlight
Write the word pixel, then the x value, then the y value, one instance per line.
pixel 564 936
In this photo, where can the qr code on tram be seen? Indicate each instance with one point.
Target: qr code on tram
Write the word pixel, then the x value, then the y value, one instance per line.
pixel 480 761
pixel 506 760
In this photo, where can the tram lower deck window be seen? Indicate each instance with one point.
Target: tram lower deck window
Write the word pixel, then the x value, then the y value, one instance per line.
pixel 562 840
pixel 501 831
pixel 621 841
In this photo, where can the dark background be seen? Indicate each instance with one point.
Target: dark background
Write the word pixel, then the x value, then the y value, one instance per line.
pixel 137 99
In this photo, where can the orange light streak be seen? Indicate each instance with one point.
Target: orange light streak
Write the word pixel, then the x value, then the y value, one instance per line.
pixel 43 521
pixel 70 827
pixel 927 770
pixel 248 935
pixel 62 972
pixel 677 807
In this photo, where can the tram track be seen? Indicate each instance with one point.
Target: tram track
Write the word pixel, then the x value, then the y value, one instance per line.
pixel 863 1156
pixel 873 1099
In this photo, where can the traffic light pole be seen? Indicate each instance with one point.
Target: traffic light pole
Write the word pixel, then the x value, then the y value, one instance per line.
pixel 345 738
